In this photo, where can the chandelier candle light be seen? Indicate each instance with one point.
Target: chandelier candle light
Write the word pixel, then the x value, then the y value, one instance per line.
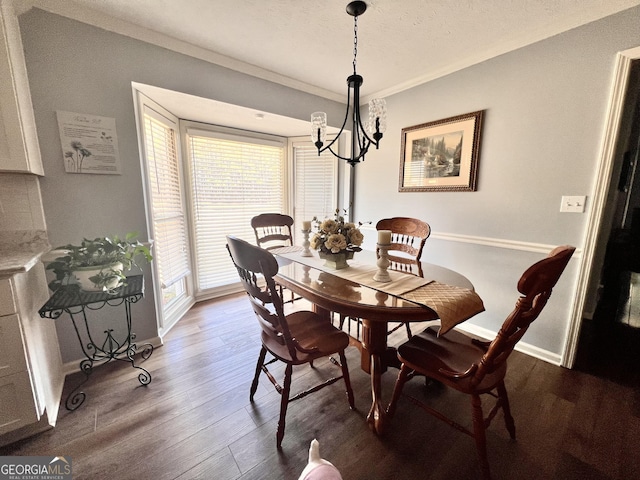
pixel 377 124
pixel 384 241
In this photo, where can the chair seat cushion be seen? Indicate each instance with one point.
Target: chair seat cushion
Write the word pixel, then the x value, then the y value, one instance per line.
pixel 311 331
pixel 428 354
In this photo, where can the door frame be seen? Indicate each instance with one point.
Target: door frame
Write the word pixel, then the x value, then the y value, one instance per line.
pixel 592 258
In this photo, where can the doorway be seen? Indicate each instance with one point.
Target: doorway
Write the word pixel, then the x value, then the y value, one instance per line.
pixel 609 343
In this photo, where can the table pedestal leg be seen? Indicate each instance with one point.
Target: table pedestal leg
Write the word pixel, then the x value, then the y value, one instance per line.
pixel 374 346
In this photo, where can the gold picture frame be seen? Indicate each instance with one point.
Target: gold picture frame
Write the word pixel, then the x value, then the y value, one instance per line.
pixel 441 156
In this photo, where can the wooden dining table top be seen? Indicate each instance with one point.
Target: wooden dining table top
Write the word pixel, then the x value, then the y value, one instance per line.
pixel 373 300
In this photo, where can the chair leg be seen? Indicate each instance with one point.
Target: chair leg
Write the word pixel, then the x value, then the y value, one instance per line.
pixel 284 402
pixel 504 401
pixel 409 334
pixel 347 380
pixel 397 390
pixel 256 377
pixel 342 319
pixel 479 435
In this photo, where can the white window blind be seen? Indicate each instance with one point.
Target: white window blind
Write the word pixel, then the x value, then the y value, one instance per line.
pixel 316 191
pixel 170 241
pixel 232 180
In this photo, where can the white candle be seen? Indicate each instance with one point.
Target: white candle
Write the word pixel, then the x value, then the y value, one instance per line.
pixel 384 237
pixel 306 225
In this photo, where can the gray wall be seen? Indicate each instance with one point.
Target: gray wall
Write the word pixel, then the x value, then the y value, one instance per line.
pixel 76 67
pixel 545 111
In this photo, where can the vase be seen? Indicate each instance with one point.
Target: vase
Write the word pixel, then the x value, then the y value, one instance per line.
pixel 110 272
pixel 336 261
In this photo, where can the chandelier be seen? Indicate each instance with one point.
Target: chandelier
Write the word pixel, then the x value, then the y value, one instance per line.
pixel 361 138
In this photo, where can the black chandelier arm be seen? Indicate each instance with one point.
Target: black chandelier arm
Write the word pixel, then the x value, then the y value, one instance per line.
pixel 358 121
pixel 350 160
pixel 344 124
pixel 359 132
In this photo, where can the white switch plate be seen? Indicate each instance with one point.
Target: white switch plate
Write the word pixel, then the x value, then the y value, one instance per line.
pixel 573 204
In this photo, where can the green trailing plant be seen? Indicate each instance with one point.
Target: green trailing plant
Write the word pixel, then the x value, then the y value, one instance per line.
pixel 103 252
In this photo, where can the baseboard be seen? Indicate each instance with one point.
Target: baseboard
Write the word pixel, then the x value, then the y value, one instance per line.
pixel 27 431
pixel 74 365
pixel 522 347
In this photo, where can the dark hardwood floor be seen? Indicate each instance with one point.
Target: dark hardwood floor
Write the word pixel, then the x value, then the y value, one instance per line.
pixel 195 421
pixel 609 345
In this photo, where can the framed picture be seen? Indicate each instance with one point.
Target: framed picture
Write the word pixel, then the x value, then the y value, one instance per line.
pixel 441 156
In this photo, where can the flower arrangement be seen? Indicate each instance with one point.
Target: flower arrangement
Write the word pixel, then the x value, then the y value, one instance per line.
pixel 334 235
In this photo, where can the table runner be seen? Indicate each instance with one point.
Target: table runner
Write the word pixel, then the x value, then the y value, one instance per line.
pixel 453 304
pixel 359 272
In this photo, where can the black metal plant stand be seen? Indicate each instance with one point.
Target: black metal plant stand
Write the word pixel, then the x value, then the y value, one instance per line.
pixel 76 303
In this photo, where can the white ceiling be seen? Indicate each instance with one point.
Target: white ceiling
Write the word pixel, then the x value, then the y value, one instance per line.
pixel 308 44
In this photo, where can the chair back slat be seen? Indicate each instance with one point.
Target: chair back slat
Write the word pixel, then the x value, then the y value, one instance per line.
pixel 536 285
pixel 406 265
pixel 256 268
pixel 272 230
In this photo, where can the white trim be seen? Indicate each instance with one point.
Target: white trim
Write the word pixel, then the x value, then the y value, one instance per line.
pixel 500 243
pixel 490 242
pixel 73 366
pixel 166 318
pixel 522 347
pixel 599 199
pixel 219 292
pixel 176 311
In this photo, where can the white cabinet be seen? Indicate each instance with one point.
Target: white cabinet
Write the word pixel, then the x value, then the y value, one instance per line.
pixel 12 354
pixel 31 375
pixel 19 149
pixel 16 412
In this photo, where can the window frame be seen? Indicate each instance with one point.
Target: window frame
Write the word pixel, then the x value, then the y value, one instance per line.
pixel 169 316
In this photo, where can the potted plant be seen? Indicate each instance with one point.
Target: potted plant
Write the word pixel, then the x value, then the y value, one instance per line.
pixel 99 264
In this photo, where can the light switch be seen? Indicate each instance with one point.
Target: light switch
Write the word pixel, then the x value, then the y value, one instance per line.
pixel 574 204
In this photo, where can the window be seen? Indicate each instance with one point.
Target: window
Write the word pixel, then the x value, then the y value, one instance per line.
pixel 167 222
pixel 233 178
pixel 204 182
pixel 315 180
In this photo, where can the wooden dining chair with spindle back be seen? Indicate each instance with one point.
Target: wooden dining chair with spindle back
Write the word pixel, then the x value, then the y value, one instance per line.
pixel 295 339
pixel 475 367
pixel 272 230
pixel 408 237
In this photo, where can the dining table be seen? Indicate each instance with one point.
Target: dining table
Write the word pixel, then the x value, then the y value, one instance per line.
pixel 439 293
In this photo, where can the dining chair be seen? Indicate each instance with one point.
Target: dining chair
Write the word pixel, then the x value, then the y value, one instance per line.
pixel 272 230
pixel 408 237
pixel 475 367
pixel 295 339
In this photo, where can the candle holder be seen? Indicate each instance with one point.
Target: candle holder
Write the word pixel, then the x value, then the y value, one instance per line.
pixel 305 244
pixel 382 275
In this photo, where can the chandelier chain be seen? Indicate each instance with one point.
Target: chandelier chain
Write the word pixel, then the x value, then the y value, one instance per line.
pixel 355 42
